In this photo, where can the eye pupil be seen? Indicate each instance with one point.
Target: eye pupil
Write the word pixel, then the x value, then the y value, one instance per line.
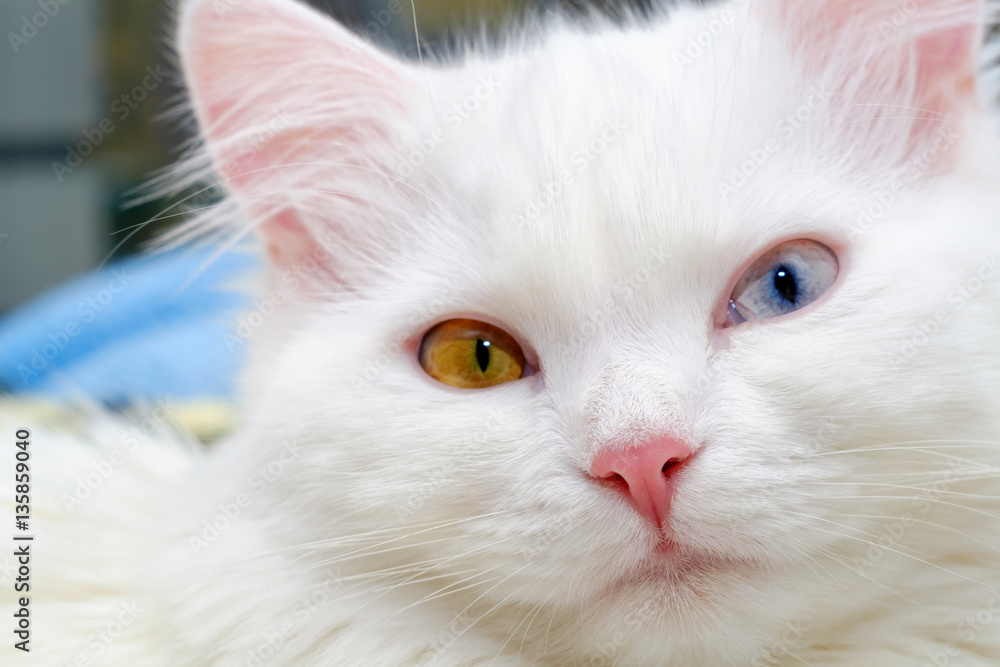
pixel 784 282
pixel 470 354
pixel 789 276
pixel 482 353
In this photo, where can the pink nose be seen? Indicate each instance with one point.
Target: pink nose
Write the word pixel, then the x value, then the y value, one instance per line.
pixel 644 474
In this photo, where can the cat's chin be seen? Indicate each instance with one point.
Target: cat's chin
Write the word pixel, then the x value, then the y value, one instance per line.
pixel 665 548
pixel 676 568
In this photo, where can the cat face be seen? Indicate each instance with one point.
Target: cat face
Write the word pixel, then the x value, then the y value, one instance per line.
pixel 631 213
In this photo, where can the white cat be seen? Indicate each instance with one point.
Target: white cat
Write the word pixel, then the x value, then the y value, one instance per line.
pixel 672 344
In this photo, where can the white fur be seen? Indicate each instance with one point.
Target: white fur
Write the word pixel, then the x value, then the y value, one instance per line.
pixel 460 527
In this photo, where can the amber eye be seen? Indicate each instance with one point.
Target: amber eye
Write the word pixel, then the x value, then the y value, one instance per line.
pixel 471 354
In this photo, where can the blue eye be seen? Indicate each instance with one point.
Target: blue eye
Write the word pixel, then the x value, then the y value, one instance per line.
pixel 786 278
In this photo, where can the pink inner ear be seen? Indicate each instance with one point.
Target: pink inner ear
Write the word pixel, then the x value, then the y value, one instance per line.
pixel 288 241
pixel 946 71
pixel 925 47
pixel 294 109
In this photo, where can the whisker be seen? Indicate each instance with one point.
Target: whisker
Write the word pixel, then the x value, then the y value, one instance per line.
pixel 902 553
pixel 835 558
pixel 928 499
pixel 928 523
pixel 912 488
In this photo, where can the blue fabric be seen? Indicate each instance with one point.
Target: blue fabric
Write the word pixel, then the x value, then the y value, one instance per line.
pixel 150 326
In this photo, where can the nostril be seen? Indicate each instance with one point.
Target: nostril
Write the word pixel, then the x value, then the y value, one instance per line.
pixel 643 473
pixel 614 480
pixel 672 463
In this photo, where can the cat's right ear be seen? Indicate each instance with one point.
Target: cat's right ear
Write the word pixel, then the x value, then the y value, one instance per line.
pixel 904 69
pixel 299 116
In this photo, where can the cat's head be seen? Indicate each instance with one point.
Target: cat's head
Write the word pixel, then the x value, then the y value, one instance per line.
pixel 737 258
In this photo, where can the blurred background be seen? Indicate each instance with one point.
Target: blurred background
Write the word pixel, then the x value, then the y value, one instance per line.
pixel 84 85
pixel 86 91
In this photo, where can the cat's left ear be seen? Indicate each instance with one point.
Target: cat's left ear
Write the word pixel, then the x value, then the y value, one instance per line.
pixel 299 116
pixel 912 61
